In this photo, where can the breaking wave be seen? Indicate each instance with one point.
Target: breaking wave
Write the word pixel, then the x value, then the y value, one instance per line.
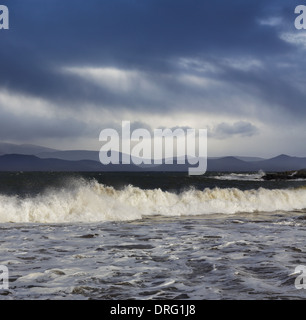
pixel 241 176
pixel 94 202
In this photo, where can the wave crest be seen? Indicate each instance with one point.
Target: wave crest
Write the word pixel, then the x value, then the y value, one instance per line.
pixel 94 202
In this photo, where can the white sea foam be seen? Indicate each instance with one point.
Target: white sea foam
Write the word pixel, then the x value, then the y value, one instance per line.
pixel 247 176
pixel 93 202
pixel 241 176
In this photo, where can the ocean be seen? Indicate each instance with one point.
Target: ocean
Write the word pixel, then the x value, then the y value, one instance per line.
pixel 151 236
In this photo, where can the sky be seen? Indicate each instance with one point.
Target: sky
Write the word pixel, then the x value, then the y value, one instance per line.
pixel 69 69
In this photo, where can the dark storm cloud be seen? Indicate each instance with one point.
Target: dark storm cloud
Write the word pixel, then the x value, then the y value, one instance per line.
pixel 38 127
pixel 151 38
pixel 143 35
pixel 276 84
pixel 134 32
pixel 240 128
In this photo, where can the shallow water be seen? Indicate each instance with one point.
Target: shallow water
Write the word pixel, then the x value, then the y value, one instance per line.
pixel 219 257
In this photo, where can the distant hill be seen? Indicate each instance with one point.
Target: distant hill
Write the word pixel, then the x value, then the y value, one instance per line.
pixel 281 163
pixel 72 155
pixel 29 149
pixel 17 162
pixel 249 159
pixel 36 158
pixel 229 164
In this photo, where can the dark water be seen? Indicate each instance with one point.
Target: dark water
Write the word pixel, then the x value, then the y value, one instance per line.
pixel 32 183
pixel 151 236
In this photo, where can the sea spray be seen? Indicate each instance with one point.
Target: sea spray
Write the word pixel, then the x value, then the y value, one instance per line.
pixel 94 202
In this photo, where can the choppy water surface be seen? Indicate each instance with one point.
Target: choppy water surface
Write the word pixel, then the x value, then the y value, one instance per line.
pixel 161 245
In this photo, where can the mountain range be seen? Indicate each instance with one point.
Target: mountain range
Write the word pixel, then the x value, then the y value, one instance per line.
pixel 36 158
